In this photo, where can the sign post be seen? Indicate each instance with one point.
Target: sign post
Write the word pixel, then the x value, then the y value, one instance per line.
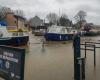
pixel 76 45
pixel 79 63
pixel 12 63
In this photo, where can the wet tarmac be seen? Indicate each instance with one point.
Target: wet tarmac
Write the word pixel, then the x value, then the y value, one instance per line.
pixel 55 60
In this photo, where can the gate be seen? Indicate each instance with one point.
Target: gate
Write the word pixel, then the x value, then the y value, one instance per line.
pixel 79 62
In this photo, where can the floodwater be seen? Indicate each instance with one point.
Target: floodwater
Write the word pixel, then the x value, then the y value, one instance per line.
pixel 54 60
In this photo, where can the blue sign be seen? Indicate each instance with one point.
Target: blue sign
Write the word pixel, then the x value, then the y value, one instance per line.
pixel 12 63
pixel 3 23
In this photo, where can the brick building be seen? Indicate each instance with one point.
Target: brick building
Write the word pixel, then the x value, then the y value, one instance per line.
pixel 15 21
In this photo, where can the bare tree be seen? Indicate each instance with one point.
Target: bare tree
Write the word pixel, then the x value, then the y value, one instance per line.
pixel 52 18
pixel 3 11
pixel 64 16
pixel 64 21
pixel 80 17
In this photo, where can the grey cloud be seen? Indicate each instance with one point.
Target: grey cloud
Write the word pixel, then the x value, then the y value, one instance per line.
pixel 43 7
pixel 94 19
pixel 90 9
pixel 93 12
pixel 8 3
pixel 60 1
pixel 63 1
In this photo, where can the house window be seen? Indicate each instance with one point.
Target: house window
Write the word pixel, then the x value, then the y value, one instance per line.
pixel 20 33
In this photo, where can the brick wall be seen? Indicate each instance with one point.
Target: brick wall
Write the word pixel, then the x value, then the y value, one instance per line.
pixel 11 21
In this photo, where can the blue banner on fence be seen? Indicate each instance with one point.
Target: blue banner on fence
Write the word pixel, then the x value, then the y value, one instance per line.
pixel 12 63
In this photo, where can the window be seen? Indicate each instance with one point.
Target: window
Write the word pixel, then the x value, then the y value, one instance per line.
pixel 15 34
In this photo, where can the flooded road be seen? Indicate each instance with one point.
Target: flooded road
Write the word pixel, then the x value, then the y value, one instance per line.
pixel 55 61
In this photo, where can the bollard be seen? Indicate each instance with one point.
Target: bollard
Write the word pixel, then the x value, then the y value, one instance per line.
pixel 85 49
pixel 43 44
pixel 94 57
pixel 76 45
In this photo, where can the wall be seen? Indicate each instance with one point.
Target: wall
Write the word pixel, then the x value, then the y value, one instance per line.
pixel 11 21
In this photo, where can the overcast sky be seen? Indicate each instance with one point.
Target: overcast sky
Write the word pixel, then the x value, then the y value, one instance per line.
pixel 43 7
